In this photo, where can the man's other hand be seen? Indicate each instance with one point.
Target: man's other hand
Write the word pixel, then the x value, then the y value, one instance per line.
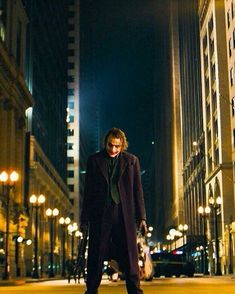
pixel 143 228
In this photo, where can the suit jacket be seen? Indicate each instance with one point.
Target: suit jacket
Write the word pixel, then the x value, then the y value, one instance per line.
pixel 130 190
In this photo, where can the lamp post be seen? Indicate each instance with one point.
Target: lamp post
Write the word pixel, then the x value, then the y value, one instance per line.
pixel 204 212
pixel 173 234
pixel 73 229
pixel 36 202
pixel 215 204
pixel 19 240
pixel 183 229
pixel 8 182
pixel 52 213
pixel 64 222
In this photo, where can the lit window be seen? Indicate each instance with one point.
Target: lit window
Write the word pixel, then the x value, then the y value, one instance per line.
pixel 71 105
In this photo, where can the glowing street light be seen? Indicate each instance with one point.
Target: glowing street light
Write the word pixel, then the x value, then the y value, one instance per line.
pixel 52 214
pixel 63 222
pixel 215 203
pixel 8 182
pixel 36 202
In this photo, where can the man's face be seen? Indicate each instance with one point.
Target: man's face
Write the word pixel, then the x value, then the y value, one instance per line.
pixel 113 146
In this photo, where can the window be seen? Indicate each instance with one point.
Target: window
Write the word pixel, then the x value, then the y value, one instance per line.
pixel 70 65
pixel 70 92
pixel 71 52
pixel 71 119
pixel 18 42
pixel 211 25
pixel 231 77
pixel 228 18
pixel 230 47
pixel 233 106
pixel 70 174
pixel 71 39
pixel 71 105
pixel 71 14
pixel 233 138
pixel 70 146
pixel 70 132
pixel 3 20
pixel 70 159
pixel 71 27
pixel 70 79
pixel 71 188
pixel 233 39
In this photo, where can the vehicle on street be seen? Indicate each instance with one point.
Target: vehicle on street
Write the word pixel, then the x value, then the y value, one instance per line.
pixel 170 264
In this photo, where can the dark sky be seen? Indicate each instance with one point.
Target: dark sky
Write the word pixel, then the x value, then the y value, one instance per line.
pixel 117 68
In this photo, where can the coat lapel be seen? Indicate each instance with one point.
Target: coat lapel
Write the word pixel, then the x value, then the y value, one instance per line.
pixel 103 164
pixel 122 164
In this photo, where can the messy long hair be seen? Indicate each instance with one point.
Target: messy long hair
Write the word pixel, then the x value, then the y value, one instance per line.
pixel 116 133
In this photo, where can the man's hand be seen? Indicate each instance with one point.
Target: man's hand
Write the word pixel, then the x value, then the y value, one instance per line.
pixel 143 228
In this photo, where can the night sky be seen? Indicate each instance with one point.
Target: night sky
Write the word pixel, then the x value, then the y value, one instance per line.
pixel 117 67
pixel 119 74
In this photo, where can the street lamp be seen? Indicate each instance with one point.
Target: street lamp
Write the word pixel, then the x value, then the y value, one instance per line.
pixel 183 229
pixel 52 213
pixel 8 182
pixel 215 204
pixel 73 230
pixel 19 240
pixel 36 202
pixel 204 212
pixel 64 222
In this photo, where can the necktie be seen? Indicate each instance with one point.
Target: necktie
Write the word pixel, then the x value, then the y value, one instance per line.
pixel 114 193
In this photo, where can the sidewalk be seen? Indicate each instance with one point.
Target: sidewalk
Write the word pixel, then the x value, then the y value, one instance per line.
pixel 21 280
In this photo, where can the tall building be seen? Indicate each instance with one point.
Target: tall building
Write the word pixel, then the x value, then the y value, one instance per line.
pixel 193 164
pixel 217 128
pixel 46 140
pixel 47 77
pixel 165 210
pixel 230 40
pixel 73 107
pixel 15 98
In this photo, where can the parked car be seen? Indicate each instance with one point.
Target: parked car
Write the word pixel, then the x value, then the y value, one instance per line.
pixel 171 264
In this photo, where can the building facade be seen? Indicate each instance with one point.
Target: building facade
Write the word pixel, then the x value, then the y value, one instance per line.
pixel 73 112
pixel 15 98
pixel 33 87
pixel 193 168
pixel 217 130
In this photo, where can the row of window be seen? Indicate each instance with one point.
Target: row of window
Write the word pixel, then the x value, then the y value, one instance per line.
pixel 230 14
pixel 231 44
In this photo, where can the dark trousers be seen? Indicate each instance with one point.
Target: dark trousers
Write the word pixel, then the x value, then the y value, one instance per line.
pixel 113 236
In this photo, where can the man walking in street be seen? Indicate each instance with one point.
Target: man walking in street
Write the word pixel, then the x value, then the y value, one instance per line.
pixel 113 209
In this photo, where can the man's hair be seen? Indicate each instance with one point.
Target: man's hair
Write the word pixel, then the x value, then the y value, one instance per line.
pixel 117 133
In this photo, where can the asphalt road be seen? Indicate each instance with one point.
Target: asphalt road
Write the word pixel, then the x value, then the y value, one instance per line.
pixel 208 285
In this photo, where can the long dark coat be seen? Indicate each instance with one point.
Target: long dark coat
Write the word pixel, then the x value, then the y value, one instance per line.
pixel 95 197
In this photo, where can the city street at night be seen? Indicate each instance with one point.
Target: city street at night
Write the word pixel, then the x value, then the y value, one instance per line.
pixel 207 285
